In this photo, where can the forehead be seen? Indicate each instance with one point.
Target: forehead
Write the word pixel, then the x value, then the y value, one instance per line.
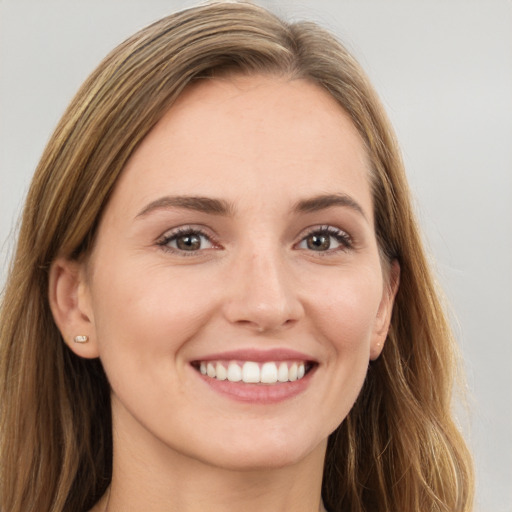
pixel 234 136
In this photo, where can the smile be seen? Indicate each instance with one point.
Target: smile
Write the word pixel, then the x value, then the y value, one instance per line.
pixel 252 372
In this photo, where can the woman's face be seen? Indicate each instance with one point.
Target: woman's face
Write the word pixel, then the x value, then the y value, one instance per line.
pixel 239 241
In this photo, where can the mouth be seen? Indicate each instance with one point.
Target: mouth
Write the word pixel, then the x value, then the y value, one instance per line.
pixel 254 372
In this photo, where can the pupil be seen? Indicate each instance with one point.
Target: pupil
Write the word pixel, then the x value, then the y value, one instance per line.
pixel 318 242
pixel 188 242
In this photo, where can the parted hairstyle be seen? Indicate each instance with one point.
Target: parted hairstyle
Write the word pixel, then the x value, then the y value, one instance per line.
pixel 398 450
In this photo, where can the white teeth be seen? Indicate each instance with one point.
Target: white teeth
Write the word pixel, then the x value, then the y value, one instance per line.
pixel 269 373
pixel 234 372
pixel 253 373
pixel 222 373
pixel 292 372
pixel 282 374
pixel 210 370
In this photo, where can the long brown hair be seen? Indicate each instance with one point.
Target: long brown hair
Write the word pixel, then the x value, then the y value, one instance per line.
pixel 398 449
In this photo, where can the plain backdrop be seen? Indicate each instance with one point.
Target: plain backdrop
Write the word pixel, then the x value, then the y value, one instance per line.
pixel 444 72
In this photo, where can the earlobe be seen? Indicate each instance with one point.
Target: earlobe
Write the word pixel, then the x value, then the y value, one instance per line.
pixel 384 314
pixel 71 307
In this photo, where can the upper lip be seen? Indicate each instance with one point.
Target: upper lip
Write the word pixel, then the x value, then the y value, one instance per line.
pixel 258 355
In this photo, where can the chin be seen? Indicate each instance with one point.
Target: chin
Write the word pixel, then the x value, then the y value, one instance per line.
pixel 262 453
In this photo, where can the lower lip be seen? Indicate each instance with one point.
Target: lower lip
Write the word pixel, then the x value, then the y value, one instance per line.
pixel 258 393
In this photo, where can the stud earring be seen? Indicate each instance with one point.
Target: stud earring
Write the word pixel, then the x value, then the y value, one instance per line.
pixel 81 339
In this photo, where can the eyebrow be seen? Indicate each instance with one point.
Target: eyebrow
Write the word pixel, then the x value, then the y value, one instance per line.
pixel 197 203
pixel 323 202
pixel 224 208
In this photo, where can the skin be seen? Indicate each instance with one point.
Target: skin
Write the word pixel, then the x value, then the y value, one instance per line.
pixel 262 145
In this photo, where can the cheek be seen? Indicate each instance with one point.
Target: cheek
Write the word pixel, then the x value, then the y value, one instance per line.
pixel 143 318
pixel 148 310
pixel 345 319
pixel 346 310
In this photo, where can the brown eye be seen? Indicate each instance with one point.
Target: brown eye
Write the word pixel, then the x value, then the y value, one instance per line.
pixel 318 242
pixel 191 242
pixel 186 240
pixel 327 239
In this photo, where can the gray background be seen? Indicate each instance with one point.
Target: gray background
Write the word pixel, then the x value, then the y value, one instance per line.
pixel 444 72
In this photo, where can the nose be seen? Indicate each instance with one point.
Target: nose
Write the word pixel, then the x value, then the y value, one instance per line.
pixel 262 294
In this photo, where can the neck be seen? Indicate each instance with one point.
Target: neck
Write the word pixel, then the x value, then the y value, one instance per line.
pixel 149 474
pixel 195 489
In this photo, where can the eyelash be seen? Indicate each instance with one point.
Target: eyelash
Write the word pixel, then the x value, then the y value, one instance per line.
pixel 342 237
pixel 181 232
pixel 339 235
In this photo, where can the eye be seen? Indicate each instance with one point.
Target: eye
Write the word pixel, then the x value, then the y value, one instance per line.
pixel 326 238
pixel 186 240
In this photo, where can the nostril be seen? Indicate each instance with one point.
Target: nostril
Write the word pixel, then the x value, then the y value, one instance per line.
pixel 261 327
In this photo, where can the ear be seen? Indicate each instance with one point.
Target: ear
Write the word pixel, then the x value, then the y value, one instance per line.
pixel 71 306
pixel 385 311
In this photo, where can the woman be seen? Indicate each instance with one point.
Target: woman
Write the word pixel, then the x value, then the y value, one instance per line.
pixel 219 297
